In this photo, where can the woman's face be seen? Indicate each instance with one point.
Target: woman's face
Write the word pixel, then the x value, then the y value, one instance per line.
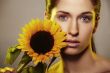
pixel 76 19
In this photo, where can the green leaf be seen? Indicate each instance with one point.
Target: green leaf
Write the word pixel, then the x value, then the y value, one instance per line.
pixel 12 54
pixel 32 70
pixel 25 70
pixel 41 67
pixel 24 61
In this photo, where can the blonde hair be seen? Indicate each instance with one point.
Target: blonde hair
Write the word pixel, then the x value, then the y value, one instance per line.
pixel 50 4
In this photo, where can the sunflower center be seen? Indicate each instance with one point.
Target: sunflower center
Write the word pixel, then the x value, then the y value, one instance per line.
pixel 42 42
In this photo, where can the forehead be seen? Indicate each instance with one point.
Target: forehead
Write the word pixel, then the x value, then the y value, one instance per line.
pixel 74 6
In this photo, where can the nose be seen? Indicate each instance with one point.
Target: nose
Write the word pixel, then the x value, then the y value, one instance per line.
pixel 73 28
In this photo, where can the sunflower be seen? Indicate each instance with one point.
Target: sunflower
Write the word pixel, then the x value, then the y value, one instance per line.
pixel 41 39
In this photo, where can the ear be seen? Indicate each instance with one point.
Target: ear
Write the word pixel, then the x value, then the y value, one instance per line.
pixel 96 24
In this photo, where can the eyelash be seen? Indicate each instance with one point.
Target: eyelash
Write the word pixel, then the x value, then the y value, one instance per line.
pixel 86 19
pixel 62 17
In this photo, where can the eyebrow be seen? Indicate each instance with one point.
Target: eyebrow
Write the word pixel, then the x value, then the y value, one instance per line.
pixel 87 12
pixel 63 12
pixel 83 13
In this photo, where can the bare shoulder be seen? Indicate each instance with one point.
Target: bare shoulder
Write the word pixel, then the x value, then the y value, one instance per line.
pixel 104 64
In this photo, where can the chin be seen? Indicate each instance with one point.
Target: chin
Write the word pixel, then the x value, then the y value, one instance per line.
pixel 71 51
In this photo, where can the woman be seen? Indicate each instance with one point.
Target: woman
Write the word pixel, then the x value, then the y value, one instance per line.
pixel 79 19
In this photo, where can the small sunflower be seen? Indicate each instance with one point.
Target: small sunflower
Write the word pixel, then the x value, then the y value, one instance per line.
pixel 41 39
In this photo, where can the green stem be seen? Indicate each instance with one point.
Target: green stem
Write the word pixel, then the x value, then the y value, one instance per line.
pixel 24 61
pixel 19 69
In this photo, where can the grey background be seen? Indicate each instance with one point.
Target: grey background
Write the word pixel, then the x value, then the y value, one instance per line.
pixel 15 13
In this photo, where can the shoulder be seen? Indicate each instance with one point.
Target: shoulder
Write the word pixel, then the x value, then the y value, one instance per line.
pixel 106 64
pixel 103 64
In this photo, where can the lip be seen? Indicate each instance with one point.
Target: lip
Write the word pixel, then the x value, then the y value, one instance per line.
pixel 72 43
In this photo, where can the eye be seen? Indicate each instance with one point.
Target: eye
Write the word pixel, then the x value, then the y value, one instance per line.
pixel 86 18
pixel 62 18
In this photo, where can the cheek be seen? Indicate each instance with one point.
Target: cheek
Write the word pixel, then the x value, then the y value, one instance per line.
pixel 63 25
pixel 86 34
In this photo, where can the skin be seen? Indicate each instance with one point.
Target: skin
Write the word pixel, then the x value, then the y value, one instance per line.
pixel 76 19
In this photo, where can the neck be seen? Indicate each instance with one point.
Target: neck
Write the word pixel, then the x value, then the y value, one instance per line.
pixel 79 62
